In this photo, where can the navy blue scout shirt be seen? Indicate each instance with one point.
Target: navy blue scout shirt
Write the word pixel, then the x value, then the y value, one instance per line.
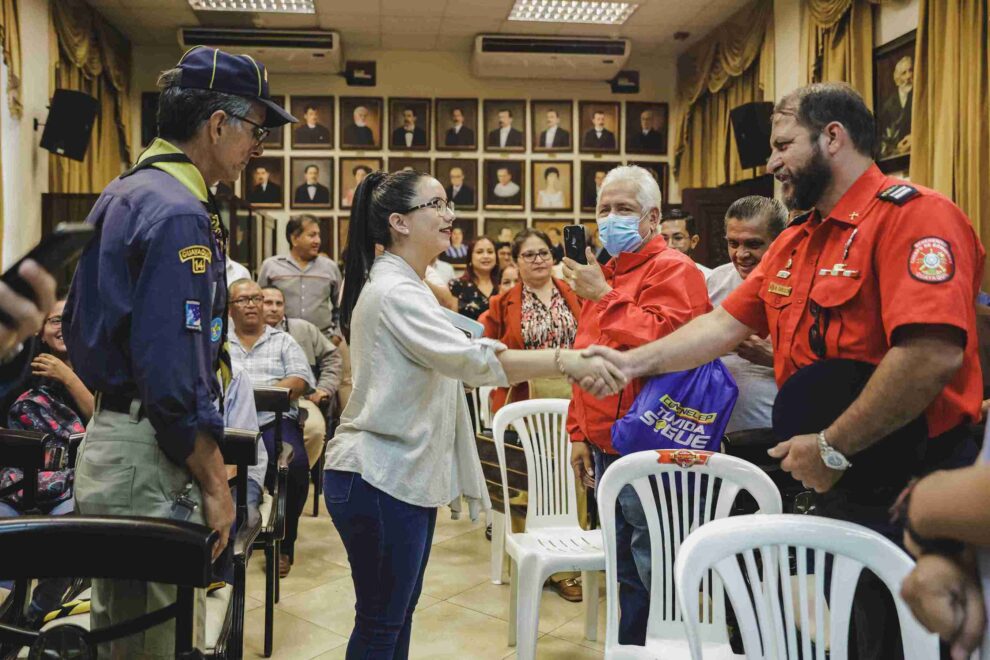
pixel 144 313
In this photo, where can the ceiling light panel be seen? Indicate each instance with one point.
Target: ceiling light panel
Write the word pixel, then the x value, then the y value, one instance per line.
pixel 270 6
pixel 572 11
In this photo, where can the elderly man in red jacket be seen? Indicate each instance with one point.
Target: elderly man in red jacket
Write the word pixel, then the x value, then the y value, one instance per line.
pixel 646 291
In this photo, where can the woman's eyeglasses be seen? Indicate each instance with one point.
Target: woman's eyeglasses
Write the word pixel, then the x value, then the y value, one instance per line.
pixel 54 321
pixel 533 257
pixel 438 204
pixel 259 132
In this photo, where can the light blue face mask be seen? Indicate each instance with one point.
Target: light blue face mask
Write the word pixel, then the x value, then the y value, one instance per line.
pixel 620 233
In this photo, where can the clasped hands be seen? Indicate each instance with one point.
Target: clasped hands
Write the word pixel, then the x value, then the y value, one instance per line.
pixel 599 370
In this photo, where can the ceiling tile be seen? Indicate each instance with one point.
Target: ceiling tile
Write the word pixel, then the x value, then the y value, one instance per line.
pixel 455 43
pixel 349 22
pixel 362 40
pixel 470 23
pixel 414 8
pixel 336 7
pixel 486 8
pixel 408 40
pixel 420 24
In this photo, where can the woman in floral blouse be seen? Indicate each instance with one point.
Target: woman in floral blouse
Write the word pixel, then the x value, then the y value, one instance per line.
pixel 480 281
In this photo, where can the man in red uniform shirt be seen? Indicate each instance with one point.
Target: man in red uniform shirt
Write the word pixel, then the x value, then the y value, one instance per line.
pixel 880 271
pixel 646 291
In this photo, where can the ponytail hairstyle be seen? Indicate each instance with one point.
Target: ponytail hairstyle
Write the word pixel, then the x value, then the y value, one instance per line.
pixel 378 196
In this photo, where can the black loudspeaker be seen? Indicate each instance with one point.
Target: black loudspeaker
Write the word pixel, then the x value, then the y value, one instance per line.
pixel 751 124
pixel 70 123
pixel 626 82
pixel 361 74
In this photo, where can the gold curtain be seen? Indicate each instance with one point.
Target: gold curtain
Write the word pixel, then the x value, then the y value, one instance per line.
pixel 93 58
pixel 950 128
pixel 732 66
pixel 10 34
pixel 838 40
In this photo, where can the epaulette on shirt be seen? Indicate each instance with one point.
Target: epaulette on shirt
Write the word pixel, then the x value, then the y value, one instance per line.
pixel 899 194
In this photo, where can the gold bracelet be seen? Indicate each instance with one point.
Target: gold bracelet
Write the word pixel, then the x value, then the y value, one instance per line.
pixel 556 357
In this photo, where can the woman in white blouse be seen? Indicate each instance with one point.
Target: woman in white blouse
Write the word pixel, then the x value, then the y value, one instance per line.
pixel 395 458
pixel 552 195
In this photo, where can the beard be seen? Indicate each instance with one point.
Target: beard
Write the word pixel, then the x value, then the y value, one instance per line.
pixel 808 183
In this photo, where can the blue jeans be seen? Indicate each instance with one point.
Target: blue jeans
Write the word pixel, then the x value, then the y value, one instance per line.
pixel 298 477
pixel 388 545
pixel 632 558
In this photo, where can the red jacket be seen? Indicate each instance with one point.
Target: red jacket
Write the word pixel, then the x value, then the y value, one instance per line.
pixel 503 321
pixel 654 292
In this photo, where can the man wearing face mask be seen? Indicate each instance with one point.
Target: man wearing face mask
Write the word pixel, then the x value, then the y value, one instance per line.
pixel 646 291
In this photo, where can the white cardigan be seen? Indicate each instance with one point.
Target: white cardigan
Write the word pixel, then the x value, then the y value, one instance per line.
pixel 406 428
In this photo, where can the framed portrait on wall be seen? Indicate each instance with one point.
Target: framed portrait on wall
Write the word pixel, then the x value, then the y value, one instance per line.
pixel 503 230
pixel 418 164
pixel 553 188
pixel 459 177
pixel 553 125
pixel 660 172
pixel 343 226
pixel 593 240
pixel 646 128
pixel 409 124
pixel 893 91
pixel 457 124
pixel 554 229
pixel 276 136
pixel 360 122
pixel 311 183
pixel 352 172
pixel 464 231
pixel 592 174
pixel 149 117
pixel 328 235
pixel 505 125
pixel 262 182
pixel 315 127
pixel 505 184
pixel 598 122
pixel 222 190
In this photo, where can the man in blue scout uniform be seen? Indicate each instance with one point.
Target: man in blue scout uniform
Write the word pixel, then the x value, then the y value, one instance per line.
pixel 145 324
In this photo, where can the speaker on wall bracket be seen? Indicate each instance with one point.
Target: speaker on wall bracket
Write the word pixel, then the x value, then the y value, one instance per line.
pixel 70 123
pixel 751 126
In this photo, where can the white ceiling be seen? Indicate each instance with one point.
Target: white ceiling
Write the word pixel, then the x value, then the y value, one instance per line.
pixel 421 24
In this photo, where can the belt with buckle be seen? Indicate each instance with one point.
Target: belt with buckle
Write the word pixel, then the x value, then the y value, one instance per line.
pixel 118 403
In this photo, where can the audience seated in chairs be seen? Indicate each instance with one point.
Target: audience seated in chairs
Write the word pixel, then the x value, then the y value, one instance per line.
pixel 271 357
pixel 324 359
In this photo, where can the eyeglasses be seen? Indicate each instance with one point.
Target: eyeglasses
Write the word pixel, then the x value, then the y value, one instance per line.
pixel 438 204
pixel 246 300
pixel 818 330
pixel 533 257
pixel 54 321
pixel 259 132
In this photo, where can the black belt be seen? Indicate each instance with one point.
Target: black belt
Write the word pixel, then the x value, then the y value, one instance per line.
pixel 118 403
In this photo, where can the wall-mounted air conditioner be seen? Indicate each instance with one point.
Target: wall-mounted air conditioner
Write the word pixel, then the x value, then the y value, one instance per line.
pixel 282 51
pixel 550 58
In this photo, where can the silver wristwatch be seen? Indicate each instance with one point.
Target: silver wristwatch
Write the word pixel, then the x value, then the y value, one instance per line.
pixel 832 458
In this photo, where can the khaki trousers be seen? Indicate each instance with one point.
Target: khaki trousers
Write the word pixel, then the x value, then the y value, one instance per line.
pixel 121 471
pixel 314 430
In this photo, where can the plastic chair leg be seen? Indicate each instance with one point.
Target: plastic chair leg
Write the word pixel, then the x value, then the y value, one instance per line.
pixel 498 546
pixel 589 580
pixel 529 587
pixel 513 598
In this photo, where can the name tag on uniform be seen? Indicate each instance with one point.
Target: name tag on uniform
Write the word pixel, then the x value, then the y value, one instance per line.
pixel 193 316
pixel 779 289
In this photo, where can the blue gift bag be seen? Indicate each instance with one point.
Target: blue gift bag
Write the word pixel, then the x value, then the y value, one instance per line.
pixel 680 410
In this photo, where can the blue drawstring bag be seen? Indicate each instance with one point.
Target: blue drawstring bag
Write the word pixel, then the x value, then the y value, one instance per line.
pixel 680 410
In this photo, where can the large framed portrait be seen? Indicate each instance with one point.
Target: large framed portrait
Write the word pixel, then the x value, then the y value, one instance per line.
pixel 505 125
pixel 343 226
pixel 505 184
pixel 457 124
pixel 417 164
pixel 893 91
pixel 240 243
pixel 360 122
pixel 552 125
pixel 553 186
pixel 352 172
pixel 554 229
pixel 149 117
pixel 599 126
pixel 276 136
pixel 464 231
pixel 660 172
pixel 311 182
pixel 459 177
pixel 315 127
pixel 646 128
pixel 503 230
pixel 328 235
pixel 592 174
pixel 262 182
pixel 409 124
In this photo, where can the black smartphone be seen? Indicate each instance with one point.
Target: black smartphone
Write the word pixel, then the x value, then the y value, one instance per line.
pixel 574 243
pixel 53 252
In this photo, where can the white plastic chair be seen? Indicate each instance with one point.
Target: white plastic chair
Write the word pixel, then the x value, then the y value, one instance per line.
pixel 698 487
pixel 481 399
pixel 553 540
pixel 771 632
pixel 481 396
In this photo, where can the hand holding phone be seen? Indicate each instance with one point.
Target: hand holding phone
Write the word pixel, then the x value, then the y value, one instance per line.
pixel 574 243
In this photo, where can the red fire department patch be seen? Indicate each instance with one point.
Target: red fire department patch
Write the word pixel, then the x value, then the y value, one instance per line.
pixel 931 261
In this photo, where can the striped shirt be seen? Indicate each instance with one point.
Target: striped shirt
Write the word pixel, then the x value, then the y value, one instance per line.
pixel 274 357
pixel 311 293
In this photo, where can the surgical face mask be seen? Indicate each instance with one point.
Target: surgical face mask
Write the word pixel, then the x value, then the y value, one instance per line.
pixel 620 233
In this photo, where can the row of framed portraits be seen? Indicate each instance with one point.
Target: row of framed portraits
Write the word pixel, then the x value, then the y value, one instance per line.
pixel 497 184
pixel 333 230
pixel 414 124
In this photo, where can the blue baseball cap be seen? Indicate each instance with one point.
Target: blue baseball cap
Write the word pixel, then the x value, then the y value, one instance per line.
pixel 240 75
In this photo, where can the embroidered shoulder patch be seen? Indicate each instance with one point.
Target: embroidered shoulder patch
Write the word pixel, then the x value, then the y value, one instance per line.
pixel 193 316
pixel 216 329
pixel 899 194
pixel 931 260
pixel 199 255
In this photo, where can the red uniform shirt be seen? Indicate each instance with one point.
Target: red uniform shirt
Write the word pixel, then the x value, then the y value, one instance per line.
pixel 889 254
pixel 654 292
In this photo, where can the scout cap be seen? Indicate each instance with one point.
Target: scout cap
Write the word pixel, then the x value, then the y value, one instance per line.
pixel 240 75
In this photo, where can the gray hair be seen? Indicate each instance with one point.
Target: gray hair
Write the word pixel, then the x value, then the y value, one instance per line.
pixel 237 283
pixel 647 190
pixel 182 111
pixel 757 207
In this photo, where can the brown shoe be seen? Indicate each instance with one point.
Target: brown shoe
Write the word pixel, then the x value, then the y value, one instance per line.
pixel 569 589
pixel 284 565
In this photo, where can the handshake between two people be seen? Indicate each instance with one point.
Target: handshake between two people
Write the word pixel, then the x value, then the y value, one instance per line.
pixel 599 370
